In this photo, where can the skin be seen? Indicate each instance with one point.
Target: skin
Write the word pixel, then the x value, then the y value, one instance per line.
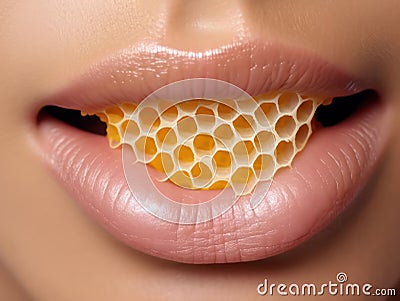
pixel 51 250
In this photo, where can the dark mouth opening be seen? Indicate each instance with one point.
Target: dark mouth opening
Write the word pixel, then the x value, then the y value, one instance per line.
pixel 342 108
pixel 91 124
pixel 339 110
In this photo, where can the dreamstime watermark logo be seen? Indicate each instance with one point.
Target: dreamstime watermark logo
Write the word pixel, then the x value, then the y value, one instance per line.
pixel 339 287
pixel 150 189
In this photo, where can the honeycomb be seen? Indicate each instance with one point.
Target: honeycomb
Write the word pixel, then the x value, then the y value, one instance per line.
pixel 207 144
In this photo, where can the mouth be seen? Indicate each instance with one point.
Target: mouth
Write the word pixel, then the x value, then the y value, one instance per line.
pixel 332 167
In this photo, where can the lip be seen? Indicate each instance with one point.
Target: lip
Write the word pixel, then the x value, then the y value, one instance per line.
pixel 323 179
pixel 132 74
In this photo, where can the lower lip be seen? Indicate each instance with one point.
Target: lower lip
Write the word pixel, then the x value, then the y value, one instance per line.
pixel 323 179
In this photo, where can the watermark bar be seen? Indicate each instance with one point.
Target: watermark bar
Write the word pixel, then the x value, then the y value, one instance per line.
pixel 339 287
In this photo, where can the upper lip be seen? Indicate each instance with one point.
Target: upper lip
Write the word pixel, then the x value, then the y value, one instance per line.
pixel 132 74
pixel 239 235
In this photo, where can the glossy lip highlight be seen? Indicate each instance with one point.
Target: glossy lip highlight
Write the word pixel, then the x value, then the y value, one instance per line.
pixel 324 178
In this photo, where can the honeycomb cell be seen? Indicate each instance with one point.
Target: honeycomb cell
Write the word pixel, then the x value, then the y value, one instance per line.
pixel 264 166
pixel 224 133
pixel 184 154
pixel 264 141
pixel 304 111
pixel 128 109
pixel 302 136
pixel 204 111
pixel 187 127
pixel 206 122
pixel 130 130
pixel 225 111
pixel 285 126
pixel 284 152
pixel 222 159
pixel 182 178
pixel 203 143
pixel 146 148
pixel 170 114
pixel 196 170
pixel 270 111
pixel 244 125
pixel 161 134
pixel 242 179
pixel 115 114
pixel 207 178
pixel 166 138
pixel 113 134
pixel 288 102
pixel 148 119
pixel 246 106
pixel 189 106
pixel 242 175
pixel 244 151
pixel 163 163
pixel 201 174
